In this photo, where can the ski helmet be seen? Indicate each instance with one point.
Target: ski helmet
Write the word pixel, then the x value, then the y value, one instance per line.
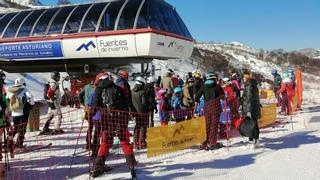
pixel 103 75
pixel 226 81
pixel 177 90
pixel 151 80
pixel 235 76
pixel 274 71
pixel 55 75
pixel 197 74
pixel 190 80
pixel 162 91
pixel 123 74
pixel 140 80
pixel 211 76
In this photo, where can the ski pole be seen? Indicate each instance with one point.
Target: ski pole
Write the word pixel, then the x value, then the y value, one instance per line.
pixel 75 150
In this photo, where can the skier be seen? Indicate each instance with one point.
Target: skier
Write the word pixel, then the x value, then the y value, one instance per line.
pixel 251 103
pixel 179 112
pixel 164 107
pixel 54 99
pixel 287 91
pixel 188 94
pixel 151 99
pixel 167 83
pixel 139 103
pixel 276 84
pixel 19 97
pixel 198 82
pixel 237 91
pixel 86 97
pixel 212 110
pixel 114 118
pixel 4 103
pixel 230 97
pixel 123 83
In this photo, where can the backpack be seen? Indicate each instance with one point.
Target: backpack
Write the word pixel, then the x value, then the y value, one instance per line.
pixel 112 98
pixel 45 91
pixel 16 103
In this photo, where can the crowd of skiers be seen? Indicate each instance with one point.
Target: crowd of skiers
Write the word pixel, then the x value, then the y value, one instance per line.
pixel 111 103
pixel 286 87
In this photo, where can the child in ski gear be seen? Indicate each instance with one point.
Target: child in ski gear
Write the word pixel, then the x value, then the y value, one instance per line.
pixel 54 99
pixel 251 102
pixel 139 103
pixel 111 102
pixel 230 97
pixel 287 91
pixel 212 110
pixel 179 112
pixel 164 107
pixel 19 97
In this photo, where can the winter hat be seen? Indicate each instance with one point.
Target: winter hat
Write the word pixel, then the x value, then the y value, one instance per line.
pixel 274 71
pixel 287 80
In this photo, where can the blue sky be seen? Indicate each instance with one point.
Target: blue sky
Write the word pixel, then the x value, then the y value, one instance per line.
pixel 268 24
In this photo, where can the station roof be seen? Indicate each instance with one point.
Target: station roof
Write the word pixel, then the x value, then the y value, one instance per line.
pixel 112 15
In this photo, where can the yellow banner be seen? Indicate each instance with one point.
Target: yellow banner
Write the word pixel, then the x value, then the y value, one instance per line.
pixel 179 136
pixel 266 94
pixel 268 115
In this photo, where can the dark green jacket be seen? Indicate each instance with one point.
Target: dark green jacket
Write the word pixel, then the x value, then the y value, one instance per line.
pixel 277 82
pixel 251 99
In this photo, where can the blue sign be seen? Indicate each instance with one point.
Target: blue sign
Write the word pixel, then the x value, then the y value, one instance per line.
pixel 31 50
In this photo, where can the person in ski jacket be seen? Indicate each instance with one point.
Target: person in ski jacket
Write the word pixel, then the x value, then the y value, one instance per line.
pixel 188 94
pixel 54 100
pixel 179 111
pixel 22 96
pixel 151 102
pixel 287 91
pixel 123 83
pixel 212 93
pixel 230 98
pixel 85 97
pixel 299 87
pixel 139 110
pixel 175 81
pixel 198 82
pixel 110 101
pixel 4 122
pixel 164 107
pixel 251 102
pixel 167 83
pixel 276 84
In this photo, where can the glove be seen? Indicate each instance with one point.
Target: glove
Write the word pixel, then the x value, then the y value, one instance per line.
pixel 249 114
pixel 97 116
